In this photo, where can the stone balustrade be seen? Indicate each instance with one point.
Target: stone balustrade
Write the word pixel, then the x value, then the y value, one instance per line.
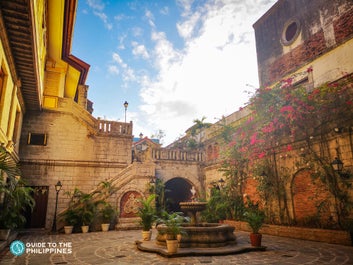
pixel 175 154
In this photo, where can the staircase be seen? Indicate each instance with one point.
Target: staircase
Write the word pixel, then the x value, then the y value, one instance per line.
pixel 118 182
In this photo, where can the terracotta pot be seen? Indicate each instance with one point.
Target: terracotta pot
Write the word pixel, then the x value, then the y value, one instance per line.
pixel 146 235
pixel 105 227
pixel 68 229
pixel 84 228
pixel 172 246
pixel 255 239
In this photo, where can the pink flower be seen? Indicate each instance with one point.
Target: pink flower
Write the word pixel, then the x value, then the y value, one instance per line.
pixel 262 155
pixel 253 139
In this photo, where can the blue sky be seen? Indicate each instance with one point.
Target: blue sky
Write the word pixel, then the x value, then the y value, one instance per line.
pixel 173 60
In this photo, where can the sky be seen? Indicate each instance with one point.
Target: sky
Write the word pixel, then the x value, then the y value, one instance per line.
pixel 173 61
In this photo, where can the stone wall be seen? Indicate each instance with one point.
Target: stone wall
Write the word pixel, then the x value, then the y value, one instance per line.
pixel 188 170
pixel 320 235
pixel 320 25
pixel 75 152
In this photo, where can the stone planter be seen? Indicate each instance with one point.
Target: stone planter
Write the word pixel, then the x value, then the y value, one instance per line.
pixel 84 228
pixel 68 229
pixel 146 235
pixel 105 227
pixel 172 246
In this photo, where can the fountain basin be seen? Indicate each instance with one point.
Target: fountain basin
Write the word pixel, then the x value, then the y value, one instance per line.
pixel 203 235
pixel 193 206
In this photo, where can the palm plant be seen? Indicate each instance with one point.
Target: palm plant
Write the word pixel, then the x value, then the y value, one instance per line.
pixel 15 197
pixel 147 212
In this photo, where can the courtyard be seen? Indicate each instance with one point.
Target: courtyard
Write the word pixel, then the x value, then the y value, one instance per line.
pixel 118 247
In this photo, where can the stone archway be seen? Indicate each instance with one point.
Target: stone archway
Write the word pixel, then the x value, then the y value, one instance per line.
pixel 311 200
pixel 176 190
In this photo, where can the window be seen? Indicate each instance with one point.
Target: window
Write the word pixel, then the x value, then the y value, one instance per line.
pixel 37 139
pixel 290 32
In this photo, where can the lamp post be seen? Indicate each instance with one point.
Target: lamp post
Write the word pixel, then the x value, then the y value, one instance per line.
pixel 337 165
pixel 58 187
pixel 126 104
pixel 221 183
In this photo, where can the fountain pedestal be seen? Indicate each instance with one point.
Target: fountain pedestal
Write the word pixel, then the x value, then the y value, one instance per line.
pixel 200 235
pixel 192 208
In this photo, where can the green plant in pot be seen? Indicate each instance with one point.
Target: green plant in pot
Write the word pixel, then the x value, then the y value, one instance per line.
pixel 107 213
pixel 87 210
pixel 173 229
pixel 255 218
pixel 85 206
pixel 72 219
pixel 15 197
pixel 147 214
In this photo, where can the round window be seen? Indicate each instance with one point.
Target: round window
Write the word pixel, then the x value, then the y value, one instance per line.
pixel 290 32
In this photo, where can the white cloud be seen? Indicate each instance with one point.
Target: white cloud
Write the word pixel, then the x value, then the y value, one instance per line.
pixel 150 18
pixel 139 50
pixel 104 18
pixel 113 69
pixel 186 28
pixel 128 74
pixel 164 10
pixel 96 4
pixel 209 76
pixel 117 58
pixel 98 8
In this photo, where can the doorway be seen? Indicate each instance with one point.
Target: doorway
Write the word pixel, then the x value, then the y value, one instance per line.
pixel 176 190
pixel 36 218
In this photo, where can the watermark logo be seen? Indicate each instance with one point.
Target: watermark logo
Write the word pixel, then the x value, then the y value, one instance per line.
pixel 17 248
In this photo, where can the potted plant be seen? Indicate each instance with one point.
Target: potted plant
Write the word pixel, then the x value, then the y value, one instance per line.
pixel 255 218
pixel 71 219
pixel 107 213
pixel 87 209
pixel 84 206
pixel 173 229
pixel 15 197
pixel 147 214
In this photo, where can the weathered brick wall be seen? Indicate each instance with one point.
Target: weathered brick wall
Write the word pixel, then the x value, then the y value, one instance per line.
pixel 320 235
pixel 190 171
pixel 323 25
pixel 72 155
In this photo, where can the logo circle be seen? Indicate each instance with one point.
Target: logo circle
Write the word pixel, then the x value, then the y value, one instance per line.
pixel 17 247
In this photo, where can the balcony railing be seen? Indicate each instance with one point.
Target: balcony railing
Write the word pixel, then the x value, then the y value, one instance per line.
pixel 114 127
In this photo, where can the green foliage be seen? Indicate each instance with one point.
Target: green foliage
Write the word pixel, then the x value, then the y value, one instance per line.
pixel 173 224
pixel 71 217
pixel 15 197
pixel 218 207
pixel 107 213
pixel 158 188
pixel 83 206
pixel 254 217
pixel 278 117
pixel 147 212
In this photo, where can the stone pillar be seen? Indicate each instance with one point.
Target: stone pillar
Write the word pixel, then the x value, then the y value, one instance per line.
pixel 82 96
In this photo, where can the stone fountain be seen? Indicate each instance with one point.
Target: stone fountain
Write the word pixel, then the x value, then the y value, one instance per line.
pixel 199 239
pixel 198 234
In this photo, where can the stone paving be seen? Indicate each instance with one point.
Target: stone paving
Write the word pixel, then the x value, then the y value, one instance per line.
pixel 118 247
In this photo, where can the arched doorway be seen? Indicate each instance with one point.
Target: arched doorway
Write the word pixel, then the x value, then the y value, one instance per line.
pixel 176 190
pixel 311 200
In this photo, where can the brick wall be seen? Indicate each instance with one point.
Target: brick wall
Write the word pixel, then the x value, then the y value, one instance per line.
pixel 74 154
pixel 324 25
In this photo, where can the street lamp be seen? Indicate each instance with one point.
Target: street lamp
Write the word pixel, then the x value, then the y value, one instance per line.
pixel 126 104
pixel 221 183
pixel 337 165
pixel 58 187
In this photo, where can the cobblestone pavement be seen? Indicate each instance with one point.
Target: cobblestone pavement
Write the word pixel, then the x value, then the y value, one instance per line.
pixel 118 247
